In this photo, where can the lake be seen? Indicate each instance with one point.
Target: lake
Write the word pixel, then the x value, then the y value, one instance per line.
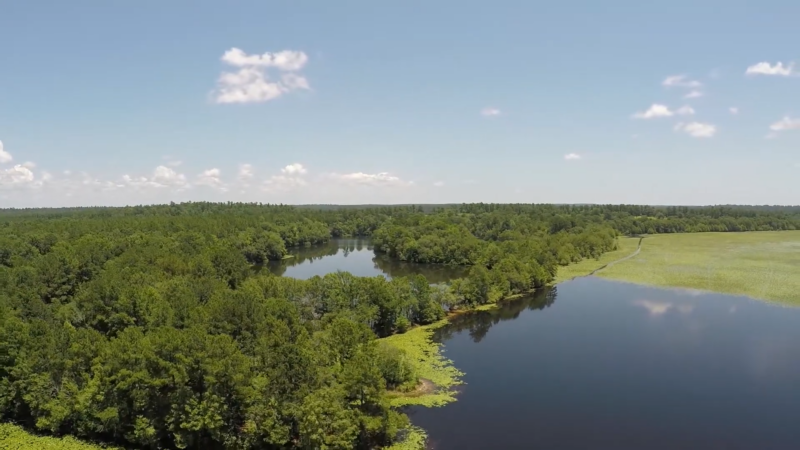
pixel 595 364
pixel 357 257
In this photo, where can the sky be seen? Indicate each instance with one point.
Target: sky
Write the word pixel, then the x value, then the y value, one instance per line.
pixel 353 102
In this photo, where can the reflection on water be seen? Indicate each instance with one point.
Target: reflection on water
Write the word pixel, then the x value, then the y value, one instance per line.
pixel 619 366
pixel 357 257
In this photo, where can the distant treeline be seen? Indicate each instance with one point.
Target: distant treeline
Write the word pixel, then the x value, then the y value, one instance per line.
pixel 148 326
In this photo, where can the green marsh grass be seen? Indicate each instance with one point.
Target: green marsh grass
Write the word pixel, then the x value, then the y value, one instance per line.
pixel 625 246
pixel 13 437
pixel 763 264
pixel 437 373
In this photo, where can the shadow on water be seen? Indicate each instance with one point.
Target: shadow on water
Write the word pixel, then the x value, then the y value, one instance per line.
pixel 478 323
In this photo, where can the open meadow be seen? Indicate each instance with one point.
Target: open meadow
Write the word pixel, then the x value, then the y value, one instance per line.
pixel 763 265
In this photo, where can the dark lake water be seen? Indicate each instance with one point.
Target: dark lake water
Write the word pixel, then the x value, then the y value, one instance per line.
pixel 594 364
pixel 357 257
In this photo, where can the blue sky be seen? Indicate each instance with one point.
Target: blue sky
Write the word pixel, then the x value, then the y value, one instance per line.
pixel 118 103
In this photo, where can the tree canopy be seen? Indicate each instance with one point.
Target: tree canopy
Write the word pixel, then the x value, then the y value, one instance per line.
pixel 150 326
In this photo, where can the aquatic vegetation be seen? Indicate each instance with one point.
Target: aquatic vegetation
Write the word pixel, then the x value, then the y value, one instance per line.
pixel 13 437
pixel 763 265
pixel 414 439
pixel 437 374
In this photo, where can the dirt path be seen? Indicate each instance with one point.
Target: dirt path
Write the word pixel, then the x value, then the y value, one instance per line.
pixel 606 266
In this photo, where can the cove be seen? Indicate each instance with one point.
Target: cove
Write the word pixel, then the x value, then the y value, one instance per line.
pixel 356 256
pixel 607 365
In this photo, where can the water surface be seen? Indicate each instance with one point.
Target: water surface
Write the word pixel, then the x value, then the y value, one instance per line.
pixel 594 364
pixel 357 257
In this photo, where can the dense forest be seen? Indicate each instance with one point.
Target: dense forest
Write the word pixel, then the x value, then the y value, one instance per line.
pixel 152 327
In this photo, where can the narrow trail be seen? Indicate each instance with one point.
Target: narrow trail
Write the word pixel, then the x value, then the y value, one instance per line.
pixel 606 266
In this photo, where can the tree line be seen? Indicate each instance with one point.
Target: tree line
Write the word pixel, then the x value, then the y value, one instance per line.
pixel 152 326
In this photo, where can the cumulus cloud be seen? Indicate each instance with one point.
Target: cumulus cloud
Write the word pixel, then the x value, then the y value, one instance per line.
pixel 765 68
pixel 438 183
pixel 287 60
pixel 294 169
pixel 693 94
pixel 290 177
pixel 211 178
pixel 657 110
pixel 785 124
pixel 572 156
pixel 252 84
pixel 245 172
pixel 697 129
pixel 162 177
pixel 680 81
pixel 15 177
pixel 5 157
pixel 369 179
pixel 490 112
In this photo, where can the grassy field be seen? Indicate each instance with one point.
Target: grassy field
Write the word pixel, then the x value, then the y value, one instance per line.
pixel 763 265
pixel 625 246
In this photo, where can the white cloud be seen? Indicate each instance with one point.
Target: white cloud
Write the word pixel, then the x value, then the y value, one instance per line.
pixel 438 183
pixel 787 123
pixel 247 86
pixel 680 81
pixel 572 156
pixel 655 110
pixel 765 68
pixel 245 172
pixel 697 129
pixel 367 179
pixel 16 176
pixel 294 169
pixel 162 177
pixel 5 157
pixel 693 94
pixel 168 177
pixel 29 164
pixel 211 178
pixel 291 177
pixel 489 112
pixel 733 110
pixel 287 60
pixel 251 84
